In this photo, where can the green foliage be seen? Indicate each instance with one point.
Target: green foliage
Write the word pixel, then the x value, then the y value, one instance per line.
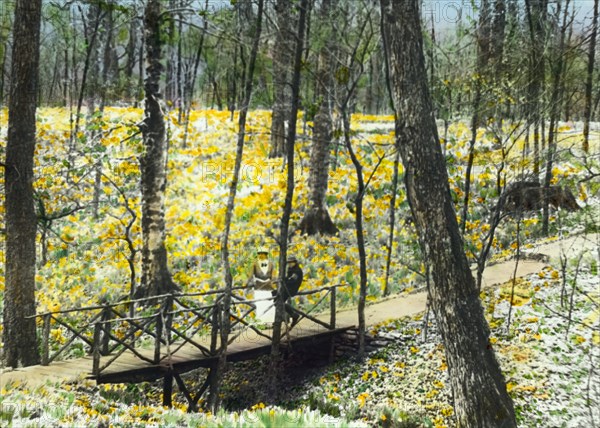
pixel 7 413
pixel 396 418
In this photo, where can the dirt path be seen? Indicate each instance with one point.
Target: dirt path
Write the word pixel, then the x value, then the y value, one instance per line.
pixel 412 304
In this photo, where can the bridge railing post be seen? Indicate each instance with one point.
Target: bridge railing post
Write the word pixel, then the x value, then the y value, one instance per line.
pixel 274 364
pixel 132 325
pixel 98 327
pixel 106 326
pixel 332 309
pixel 332 321
pixel 215 322
pixel 226 316
pixel 46 339
pixel 168 317
pixel 158 337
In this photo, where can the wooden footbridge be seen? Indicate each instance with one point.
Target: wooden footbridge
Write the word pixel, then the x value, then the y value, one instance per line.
pixel 168 335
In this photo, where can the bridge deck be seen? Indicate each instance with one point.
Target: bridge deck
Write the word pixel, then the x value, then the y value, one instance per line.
pixel 129 368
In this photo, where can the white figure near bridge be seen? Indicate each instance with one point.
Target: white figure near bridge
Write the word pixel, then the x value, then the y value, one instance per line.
pixel 262 283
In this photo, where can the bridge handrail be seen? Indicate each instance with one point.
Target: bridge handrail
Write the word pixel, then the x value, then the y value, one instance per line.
pixel 166 305
pixel 318 290
pixel 158 325
pixel 162 296
pixel 127 302
pixel 240 301
pixel 152 315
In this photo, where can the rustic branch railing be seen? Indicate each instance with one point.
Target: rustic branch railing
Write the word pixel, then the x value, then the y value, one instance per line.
pixel 331 293
pixel 48 318
pixel 106 330
pixel 240 322
pixel 169 322
pixel 168 336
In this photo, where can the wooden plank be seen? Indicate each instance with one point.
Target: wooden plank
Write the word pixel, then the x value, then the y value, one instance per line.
pixel 190 351
pixel 128 360
pixel 121 366
pixel 183 363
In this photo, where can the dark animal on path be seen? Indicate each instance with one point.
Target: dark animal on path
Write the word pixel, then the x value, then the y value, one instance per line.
pixel 530 196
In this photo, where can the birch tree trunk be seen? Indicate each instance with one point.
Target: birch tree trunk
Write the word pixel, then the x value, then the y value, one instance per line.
pixel 480 396
pixel 20 341
pixel 156 277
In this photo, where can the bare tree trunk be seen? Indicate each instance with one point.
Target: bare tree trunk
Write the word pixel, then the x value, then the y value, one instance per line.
pixel 96 89
pixel 91 44
pixel 179 72
pixel 360 237
pixel 91 83
pixel 3 58
pixel 53 83
pixel 289 195
pixel 65 93
pixel 20 339
pixel 213 401
pixel 232 84
pixel 390 243
pixel 354 69
pixel 370 94
pixel 170 83
pixel 536 16
pixel 140 85
pixel 484 42
pixel 395 178
pixel 5 26
pixel 282 55
pixel 316 219
pixel 479 389
pixel 471 158
pixel 190 81
pixel 156 277
pixel 131 57
pixel 498 25
pixel 73 79
pixel 555 98
pixel 589 81
pixel 514 275
pixel 110 63
pixel 109 68
pixel 595 115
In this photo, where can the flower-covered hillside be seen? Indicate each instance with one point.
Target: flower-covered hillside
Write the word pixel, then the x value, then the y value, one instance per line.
pixel 87 195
